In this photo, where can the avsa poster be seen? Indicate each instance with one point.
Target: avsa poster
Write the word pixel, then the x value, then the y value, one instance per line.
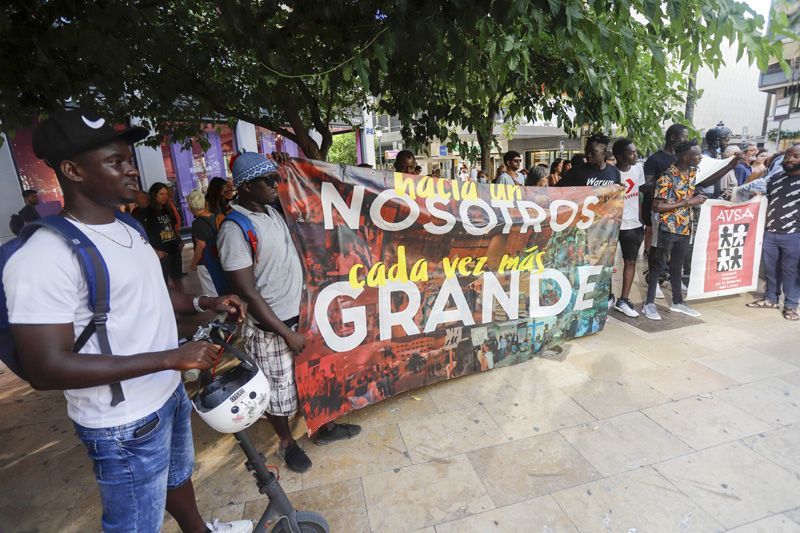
pixel 727 248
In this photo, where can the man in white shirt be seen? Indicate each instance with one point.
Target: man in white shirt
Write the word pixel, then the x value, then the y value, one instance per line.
pixel 512 175
pixel 130 408
pixel 631 233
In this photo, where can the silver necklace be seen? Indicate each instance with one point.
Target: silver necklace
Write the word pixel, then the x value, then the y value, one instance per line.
pixel 129 245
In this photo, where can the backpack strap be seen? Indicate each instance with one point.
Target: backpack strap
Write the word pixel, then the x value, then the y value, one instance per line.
pixel 248 230
pixel 132 222
pixel 97 279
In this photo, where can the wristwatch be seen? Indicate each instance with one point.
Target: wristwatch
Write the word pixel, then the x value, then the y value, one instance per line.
pixel 196 303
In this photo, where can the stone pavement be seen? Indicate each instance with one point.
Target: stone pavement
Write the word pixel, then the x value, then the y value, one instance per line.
pixel 694 429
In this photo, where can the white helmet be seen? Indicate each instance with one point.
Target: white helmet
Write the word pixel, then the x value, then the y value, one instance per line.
pixel 235 399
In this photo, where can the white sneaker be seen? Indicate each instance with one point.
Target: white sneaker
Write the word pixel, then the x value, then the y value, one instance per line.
pixel 651 312
pixel 611 301
pixel 659 292
pixel 683 308
pixel 625 306
pixel 684 288
pixel 237 526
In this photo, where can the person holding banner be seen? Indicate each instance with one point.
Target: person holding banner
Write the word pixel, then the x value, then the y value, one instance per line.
pixel 266 272
pixel 631 233
pixel 673 199
pixel 405 162
pixel 594 173
pixel 781 251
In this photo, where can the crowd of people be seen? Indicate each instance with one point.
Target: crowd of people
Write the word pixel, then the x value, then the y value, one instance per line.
pixel 662 204
pixel 125 394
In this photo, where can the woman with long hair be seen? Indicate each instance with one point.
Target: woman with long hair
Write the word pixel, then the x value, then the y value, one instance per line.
pixel 215 196
pixel 159 221
pixel 555 171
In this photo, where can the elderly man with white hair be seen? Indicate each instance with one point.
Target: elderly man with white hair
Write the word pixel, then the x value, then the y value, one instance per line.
pixel 204 234
pixel 728 183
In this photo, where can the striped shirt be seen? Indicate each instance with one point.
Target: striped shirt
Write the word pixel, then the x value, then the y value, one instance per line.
pixel 783 210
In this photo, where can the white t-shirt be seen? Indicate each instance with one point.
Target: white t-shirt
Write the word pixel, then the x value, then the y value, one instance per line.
pixel 631 179
pixel 507 179
pixel 278 273
pixel 44 284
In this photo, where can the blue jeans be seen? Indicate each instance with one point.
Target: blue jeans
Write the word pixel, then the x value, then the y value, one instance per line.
pixel 136 463
pixel 781 260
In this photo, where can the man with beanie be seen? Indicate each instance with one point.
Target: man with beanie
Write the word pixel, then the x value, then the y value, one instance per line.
pixel 270 279
pixel 123 384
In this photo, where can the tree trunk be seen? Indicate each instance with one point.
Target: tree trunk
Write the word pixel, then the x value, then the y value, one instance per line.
pixel 486 155
pixel 485 139
pixel 691 96
pixel 310 147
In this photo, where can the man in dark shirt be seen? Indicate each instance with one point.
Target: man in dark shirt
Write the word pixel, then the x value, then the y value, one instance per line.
pixel 781 251
pixel 405 162
pixel 27 213
pixel 595 172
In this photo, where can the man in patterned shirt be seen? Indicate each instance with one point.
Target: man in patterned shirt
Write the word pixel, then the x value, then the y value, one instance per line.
pixel 781 252
pixel 672 200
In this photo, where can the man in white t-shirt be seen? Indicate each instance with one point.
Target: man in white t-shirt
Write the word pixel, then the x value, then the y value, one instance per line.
pixel 512 176
pixel 631 233
pixel 271 282
pixel 139 439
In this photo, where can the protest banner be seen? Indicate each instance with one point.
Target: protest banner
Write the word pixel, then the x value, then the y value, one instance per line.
pixel 727 248
pixel 411 280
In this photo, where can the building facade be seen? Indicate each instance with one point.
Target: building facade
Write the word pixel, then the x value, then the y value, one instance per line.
pixel 783 113
pixel 182 167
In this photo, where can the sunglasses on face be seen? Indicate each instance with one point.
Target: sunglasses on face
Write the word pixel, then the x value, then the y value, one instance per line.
pixel 271 180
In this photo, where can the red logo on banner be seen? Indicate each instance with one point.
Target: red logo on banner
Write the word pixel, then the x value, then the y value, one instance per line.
pixel 731 247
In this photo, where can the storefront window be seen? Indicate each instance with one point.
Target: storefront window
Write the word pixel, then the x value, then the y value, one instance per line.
pixel 269 141
pixel 192 168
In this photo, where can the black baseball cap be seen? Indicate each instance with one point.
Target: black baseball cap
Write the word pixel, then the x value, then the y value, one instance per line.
pixel 70 132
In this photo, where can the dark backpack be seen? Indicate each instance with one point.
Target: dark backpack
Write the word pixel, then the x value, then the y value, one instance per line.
pixel 211 252
pixel 96 274
pixel 16 223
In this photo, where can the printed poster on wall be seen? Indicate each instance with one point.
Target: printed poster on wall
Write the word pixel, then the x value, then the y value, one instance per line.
pixel 411 280
pixel 727 248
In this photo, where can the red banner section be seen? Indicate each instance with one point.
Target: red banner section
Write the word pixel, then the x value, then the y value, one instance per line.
pixel 412 280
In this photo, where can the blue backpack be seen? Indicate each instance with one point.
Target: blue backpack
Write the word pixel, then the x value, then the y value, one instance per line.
pixel 97 280
pixel 211 252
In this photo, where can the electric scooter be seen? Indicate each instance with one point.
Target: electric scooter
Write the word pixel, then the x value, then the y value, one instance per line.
pixel 236 391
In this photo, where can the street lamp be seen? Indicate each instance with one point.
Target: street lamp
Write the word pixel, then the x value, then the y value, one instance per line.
pixel 379 134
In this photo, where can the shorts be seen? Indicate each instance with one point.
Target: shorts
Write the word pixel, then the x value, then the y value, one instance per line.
pixel 277 362
pixel 630 240
pixel 134 470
